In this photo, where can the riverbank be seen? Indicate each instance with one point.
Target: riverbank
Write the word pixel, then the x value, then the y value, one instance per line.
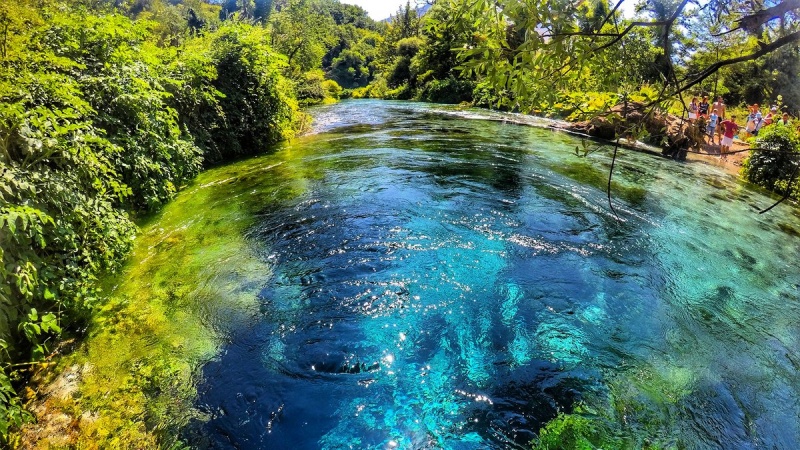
pixel 671 131
pixel 192 276
pixel 732 164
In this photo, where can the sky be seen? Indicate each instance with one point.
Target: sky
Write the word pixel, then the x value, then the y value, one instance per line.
pixel 382 9
pixel 379 9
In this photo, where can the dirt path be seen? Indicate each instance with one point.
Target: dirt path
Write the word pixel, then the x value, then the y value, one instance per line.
pixel 732 164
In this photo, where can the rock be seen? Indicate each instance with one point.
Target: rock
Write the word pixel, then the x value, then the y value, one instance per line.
pixel 676 147
pixel 55 426
pixel 665 130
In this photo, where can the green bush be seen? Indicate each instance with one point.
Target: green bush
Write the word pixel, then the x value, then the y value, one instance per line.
pixel 774 159
pixel 63 177
pixel 309 88
pixel 332 89
pixel 399 73
pixel 484 95
pixel 313 88
pixel 409 47
pixel 351 69
pixel 258 106
pixel 376 89
pixel 449 90
pixel 402 92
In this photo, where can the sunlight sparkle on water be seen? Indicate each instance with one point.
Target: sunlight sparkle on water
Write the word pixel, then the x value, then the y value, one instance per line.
pixel 460 293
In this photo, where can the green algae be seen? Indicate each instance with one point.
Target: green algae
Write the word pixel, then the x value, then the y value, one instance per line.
pixel 589 174
pixel 581 431
pixel 192 277
pixel 575 432
pixel 633 416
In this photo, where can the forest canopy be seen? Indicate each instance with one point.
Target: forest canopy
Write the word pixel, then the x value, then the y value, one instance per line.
pixel 534 52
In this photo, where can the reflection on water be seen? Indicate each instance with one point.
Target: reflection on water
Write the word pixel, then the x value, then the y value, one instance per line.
pixel 450 282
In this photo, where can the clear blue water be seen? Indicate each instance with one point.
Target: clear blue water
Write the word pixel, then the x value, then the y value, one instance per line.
pixel 448 279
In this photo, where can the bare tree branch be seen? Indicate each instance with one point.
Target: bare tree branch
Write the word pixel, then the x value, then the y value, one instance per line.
pixel 763 50
pixel 611 13
pixel 752 22
pixel 788 191
pixel 610 174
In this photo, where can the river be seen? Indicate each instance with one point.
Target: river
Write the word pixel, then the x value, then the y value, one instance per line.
pixel 420 276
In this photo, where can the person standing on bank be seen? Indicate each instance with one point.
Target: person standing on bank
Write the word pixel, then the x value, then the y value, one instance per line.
pixel 713 120
pixel 703 107
pixel 753 120
pixel 771 115
pixel 719 106
pixel 693 108
pixel 730 131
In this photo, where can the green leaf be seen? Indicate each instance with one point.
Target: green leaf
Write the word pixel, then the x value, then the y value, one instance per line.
pixel 50 323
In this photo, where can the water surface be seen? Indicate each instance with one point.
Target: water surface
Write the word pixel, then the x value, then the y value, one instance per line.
pixel 436 278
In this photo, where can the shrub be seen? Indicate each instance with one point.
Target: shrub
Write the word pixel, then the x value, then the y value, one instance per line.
pixel 408 47
pixel 399 72
pixel 376 89
pixel 332 89
pixel 403 92
pixel 309 88
pixel 350 69
pixel 314 88
pixel 122 82
pixel 258 107
pixel 774 159
pixel 486 96
pixel 449 90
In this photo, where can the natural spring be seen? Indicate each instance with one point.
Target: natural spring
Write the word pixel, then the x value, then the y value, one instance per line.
pixel 420 276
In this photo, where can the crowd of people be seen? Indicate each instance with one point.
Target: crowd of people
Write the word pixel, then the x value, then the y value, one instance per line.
pixel 713 118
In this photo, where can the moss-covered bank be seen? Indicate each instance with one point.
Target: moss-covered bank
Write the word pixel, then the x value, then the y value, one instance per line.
pixel 130 384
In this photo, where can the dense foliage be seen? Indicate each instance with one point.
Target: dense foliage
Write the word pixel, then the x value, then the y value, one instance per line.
pixel 100 121
pixel 774 161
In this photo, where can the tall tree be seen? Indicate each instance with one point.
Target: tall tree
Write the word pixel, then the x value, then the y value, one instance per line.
pixel 301 30
pixel 554 49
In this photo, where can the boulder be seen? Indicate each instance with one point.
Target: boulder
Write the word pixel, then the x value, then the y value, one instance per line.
pixel 622 120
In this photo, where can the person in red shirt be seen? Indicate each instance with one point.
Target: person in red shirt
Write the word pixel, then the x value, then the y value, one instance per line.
pixel 730 128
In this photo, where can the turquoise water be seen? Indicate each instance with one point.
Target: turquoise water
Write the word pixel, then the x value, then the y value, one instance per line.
pixel 449 279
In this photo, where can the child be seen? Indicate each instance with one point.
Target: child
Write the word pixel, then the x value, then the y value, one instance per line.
pixel 760 122
pixel 771 116
pixel 712 125
pixel 753 119
pixel 719 105
pixel 727 140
